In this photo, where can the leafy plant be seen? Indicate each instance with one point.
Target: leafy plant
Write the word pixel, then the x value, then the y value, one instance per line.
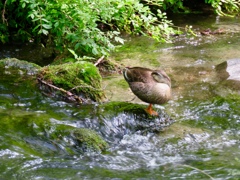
pixel 225 7
pixel 88 27
pixel 92 28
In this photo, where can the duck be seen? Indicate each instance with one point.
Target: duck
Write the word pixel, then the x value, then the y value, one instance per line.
pixel 150 86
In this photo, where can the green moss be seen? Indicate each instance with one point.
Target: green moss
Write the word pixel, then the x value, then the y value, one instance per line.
pixel 39 128
pixel 119 107
pixel 110 109
pixel 81 76
pixel 84 139
pixel 90 139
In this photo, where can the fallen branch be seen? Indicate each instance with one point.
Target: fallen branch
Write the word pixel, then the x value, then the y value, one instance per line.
pixel 69 95
pixel 99 61
pixel 4 20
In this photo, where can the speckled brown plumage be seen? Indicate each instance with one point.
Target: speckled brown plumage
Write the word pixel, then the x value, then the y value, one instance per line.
pixel 151 86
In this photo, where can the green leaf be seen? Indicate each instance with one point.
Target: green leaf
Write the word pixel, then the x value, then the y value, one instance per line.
pixel 47 26
pixel 36 27
pixel 120 40
pixel 43 19
pixel 95 51
pixel 32 16
pixel 43 31
pixel 23 5
pixel 73 53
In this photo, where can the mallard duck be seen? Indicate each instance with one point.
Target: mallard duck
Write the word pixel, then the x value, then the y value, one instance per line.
pixel 151 86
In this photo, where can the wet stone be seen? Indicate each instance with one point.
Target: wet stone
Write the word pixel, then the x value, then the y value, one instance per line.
pixel 229 72
pixel 128 118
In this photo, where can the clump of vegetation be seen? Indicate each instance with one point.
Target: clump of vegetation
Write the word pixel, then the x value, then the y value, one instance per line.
pixel 81 78
pixel 93 28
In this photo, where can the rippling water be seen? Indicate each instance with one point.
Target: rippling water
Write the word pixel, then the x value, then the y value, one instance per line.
pixel 28 120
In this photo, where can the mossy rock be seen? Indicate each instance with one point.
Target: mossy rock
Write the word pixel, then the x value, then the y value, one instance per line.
pixel 81 78
pixel 134 116
pixel 89 139
pixel 33 133
pixel 121 107
pixel 78 140
pixel 29 68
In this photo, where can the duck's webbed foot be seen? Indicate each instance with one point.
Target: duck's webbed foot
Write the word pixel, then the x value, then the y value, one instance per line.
pixel 150 111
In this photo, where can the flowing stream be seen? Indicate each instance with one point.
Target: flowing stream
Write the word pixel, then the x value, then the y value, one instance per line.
pixel 202 143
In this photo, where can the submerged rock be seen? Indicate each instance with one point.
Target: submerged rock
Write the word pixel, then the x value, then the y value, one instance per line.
pixel 89 139
pixel 77 140
pixel 229 73
pixel 229 70
pixel 20 65
pixel 48 136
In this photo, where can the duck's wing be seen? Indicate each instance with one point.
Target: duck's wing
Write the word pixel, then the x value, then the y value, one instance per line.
pixel 160 76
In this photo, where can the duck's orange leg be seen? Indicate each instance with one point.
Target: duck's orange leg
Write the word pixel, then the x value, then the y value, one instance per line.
pixel 150 111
